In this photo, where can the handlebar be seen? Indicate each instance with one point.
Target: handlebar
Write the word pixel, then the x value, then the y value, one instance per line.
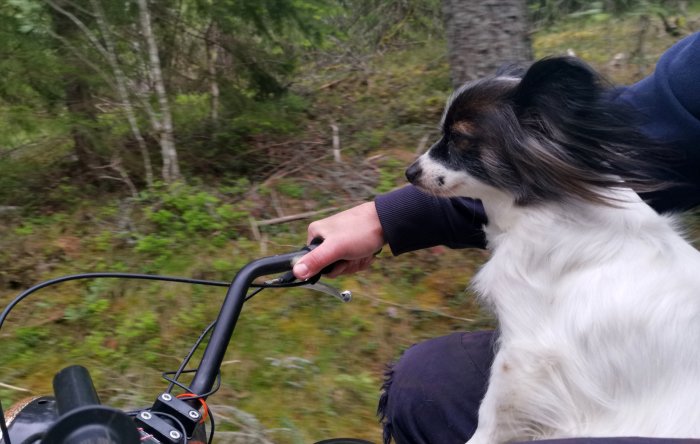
pixel 209 365
pixel 78 413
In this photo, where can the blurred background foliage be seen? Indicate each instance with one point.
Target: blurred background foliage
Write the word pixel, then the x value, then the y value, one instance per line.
pixel 190 137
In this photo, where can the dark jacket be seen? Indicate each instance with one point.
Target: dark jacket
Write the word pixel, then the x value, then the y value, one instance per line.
pixel 669 102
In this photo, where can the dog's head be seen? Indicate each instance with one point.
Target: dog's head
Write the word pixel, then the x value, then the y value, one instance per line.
pixel 551 135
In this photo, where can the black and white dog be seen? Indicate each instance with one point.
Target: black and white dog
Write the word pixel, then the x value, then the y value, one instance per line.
pixel 597 296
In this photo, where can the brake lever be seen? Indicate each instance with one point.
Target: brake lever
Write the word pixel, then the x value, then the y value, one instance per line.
pixel 281 281
pixel 344 296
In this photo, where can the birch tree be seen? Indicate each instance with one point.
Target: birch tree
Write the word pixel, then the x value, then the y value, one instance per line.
pixel 171 167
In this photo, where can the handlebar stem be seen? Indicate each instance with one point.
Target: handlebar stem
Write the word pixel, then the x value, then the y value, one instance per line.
pixel 208 368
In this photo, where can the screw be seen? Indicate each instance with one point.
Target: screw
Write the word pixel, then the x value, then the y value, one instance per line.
pixel 174 434
pixel 194 414
pixel 166 397
pixel 145 415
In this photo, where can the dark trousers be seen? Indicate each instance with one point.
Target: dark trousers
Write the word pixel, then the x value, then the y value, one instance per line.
pixel 432 394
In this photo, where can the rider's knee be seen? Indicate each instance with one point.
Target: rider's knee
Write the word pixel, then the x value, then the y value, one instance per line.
pixel 431 394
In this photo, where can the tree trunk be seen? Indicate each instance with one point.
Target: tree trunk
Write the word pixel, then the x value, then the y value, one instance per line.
pixel 171 167
pixel 482 36
pixel 212 46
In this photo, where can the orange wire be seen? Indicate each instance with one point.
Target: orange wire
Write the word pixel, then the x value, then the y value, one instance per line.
pixel 204 404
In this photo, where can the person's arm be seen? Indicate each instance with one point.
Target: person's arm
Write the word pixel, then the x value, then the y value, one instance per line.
pixel 407 219
pixel 413 220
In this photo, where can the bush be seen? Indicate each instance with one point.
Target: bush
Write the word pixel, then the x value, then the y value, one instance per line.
pixel 180 214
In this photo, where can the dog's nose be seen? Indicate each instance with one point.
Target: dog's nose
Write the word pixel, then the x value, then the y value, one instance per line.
pixel 414 172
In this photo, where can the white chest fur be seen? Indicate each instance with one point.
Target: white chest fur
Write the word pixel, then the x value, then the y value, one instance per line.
pixel 599 311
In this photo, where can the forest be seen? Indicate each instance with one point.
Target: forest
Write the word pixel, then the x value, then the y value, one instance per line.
pixel 189 137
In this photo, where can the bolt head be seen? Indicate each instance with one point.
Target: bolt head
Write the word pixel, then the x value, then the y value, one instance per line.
pixel 145 415
pixel 166 397
pixel 174 434
pixel 193 414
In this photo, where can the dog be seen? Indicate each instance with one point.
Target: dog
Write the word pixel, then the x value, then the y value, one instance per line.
pixel 597 296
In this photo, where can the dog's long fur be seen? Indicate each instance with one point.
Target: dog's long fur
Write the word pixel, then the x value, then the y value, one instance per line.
pixel 597 296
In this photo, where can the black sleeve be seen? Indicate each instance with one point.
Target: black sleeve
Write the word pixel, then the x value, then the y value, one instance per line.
pixel 413 220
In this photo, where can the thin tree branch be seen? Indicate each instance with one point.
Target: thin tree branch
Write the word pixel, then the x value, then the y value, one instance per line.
pixel 292 217
pixel 14 387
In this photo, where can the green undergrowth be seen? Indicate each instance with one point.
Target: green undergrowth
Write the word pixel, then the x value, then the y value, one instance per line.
pixel 306 366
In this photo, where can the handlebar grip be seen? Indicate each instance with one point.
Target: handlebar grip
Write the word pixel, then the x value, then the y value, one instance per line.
pixel 81 417
pixel 74 389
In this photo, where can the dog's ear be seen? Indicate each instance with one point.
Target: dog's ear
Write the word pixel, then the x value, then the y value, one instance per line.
pixel 556 84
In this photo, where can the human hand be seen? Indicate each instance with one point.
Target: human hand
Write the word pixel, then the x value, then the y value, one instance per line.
pixel 351 239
